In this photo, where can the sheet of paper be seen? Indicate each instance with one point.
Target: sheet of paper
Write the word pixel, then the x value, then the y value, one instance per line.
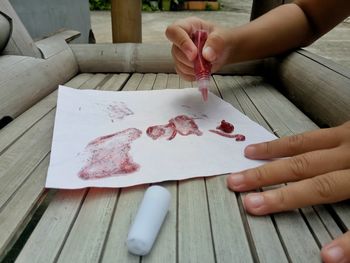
pixel 119 139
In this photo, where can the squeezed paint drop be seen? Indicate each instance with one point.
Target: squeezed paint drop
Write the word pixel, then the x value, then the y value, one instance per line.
pixel 109 155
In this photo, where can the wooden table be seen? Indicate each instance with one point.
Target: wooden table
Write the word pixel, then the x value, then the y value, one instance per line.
pixel 206 222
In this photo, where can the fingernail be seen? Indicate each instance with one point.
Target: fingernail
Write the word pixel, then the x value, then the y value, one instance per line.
pixel 255 200
pixel 236 179
pixel 249 150
pixel 335 254
pixel 209 53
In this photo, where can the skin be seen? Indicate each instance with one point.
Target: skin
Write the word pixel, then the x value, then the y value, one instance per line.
pixel 318 168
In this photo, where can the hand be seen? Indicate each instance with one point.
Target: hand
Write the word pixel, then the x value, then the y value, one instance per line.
pixel 216 49
pixel 319 166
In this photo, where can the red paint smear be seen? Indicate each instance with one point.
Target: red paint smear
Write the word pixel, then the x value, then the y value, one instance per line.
pixel 118 110
pixel 181 124
pixel 238 137
pixel 109 155
pixel 226 127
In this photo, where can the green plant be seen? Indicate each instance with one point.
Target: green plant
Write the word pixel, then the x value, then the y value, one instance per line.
pixel 100 4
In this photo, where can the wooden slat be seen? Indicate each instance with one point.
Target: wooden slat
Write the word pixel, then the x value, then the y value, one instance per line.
pixel 17 163
pixel 49 249
pixel 26 120
pixel 47 239
pixel 195 242
pixel 19 210
pixel 267 245
pixel 129 200
pixel 164 249
pixel 267 100
pixel 86 239
pixel 115 247
pixel 15 212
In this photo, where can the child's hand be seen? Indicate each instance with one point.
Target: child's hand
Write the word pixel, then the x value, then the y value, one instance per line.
pixel 319 167
pixel 184 51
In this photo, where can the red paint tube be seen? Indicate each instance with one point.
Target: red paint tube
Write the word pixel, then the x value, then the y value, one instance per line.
pixel 202 67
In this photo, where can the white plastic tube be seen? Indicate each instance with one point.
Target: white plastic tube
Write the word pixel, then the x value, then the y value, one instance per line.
pixel 148 220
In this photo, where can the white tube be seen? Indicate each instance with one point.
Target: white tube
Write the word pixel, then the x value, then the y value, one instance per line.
pixel 148 220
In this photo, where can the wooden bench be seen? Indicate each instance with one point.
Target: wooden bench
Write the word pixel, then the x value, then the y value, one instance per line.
pixel 206 223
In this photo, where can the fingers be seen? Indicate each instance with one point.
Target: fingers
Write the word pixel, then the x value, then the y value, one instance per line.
pixel 179 34
pixel 290 170
pixel 183 66
pixel 327 188
pixel 337 251
pixel 293 145
pixel 214 46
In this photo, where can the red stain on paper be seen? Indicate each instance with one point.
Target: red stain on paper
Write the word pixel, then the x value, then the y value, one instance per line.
pixel 225 129
pixel 110 155
pixel 118 111
pixel 181 124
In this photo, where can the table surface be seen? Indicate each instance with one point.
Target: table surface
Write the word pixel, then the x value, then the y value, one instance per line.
pixel 206 221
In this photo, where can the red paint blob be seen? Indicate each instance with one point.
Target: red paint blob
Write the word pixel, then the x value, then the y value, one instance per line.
pixel 225 127
pixel 118 111
pixel 181 124
pixel 238 137
pixel 109 155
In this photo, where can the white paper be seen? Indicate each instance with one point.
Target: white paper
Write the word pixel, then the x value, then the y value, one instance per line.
pixel 82 157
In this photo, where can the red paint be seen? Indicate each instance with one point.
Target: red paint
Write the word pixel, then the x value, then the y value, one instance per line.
pixel 109 155
pixel 118 110
pixel 238 137
pixel 225 127
pixel 202 67
pixel 181 124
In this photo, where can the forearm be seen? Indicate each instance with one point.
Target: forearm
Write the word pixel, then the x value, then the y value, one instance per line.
pixel 281 29
pixel 285 28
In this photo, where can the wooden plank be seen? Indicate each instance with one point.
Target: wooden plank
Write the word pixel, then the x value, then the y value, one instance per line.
pixel 328 221
pixel 173 81
pixel 21 158
pixel 17 128
pixel 267 100
pixel 164 249
pixel 147 82
pixel 127 206
pixel 266 244
pixel 17 212
pixel 343 212
pixel 65 205
pixel 161 81
pixel 133 82
pixel 46 241
pixel 21 42
pixel 126 21
pixel 129 200
pixel 116 82
pixel 195 241
pixel 86 239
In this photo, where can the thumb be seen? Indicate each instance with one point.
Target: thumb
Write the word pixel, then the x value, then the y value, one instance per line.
pixel 214 47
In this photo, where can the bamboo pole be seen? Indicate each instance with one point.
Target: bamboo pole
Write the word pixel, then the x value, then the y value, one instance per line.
pixel 126 21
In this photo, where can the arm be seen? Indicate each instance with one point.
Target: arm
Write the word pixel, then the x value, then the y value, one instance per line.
pixel 286 27
pixel 283 28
